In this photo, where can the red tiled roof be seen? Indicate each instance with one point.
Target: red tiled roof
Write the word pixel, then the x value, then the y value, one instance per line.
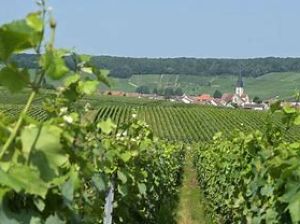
pixel 227 97
pixel 204 97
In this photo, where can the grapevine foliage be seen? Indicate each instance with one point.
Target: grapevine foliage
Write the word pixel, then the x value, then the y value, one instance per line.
pixel 59 170
pixel 253 178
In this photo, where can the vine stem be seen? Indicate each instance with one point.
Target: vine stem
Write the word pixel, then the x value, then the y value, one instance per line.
pixel 35 89
pixel 18 125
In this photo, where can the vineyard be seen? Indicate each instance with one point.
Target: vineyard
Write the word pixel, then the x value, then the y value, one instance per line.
pixel 69 155
pixel 171 121
pixel 58 164
pixel 252 178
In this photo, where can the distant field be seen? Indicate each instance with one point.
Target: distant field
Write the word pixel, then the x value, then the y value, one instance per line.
pixel 190 123
pixel 172 121
pixel 266 86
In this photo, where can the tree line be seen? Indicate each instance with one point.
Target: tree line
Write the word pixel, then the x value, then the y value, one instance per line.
pixel 124 67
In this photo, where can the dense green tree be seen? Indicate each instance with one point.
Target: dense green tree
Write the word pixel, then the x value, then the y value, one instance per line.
pixel 161 91
pixel 143 89
pixel 217 94
pixel 124 67
pixel 169 91
pixel 256 99
pixel 178 91
pixel 123 71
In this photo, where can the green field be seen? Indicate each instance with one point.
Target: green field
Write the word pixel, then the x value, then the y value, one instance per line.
pixel 266 86
pixel 172 121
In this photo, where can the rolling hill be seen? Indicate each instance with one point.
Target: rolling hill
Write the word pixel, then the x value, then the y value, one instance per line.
pixel 282 84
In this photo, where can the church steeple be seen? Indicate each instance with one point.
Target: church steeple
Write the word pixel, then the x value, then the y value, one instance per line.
pixel 239 89
pixel 239 82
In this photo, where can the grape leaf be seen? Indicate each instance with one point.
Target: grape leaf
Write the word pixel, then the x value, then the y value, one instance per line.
pixel 122 177
pixel 46 150
pixel 20 35
pixel 13 78
pixel 88 87
pixel 32 184
pixel 54 219
pixel 106 126
pixel 53 63
pixel 297 120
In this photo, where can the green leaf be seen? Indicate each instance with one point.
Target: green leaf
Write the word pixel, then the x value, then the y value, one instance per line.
pixel 289 110
pixel 292 191
pixel 106 126
pixel 20 35
pixel 39 203
pixel 54 219
pixel 267 191
pixel 49 143
pixel 13 78
pixel 125 156
pixel 142 188
pixel 123 190
pixel 99 182
pixel 294 208
pixel 26 136
pixel 35 220
pixel 34 21
pixel 275 106
pixel 52 61
pixel 101 75
pixel 46 150
pixel 297 120
pixel 10 181
pixel 25 178
pixel 122 177
pixel 67 191
pixel 88 87
pixel 71 79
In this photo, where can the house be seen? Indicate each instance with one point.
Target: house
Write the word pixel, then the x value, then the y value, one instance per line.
pixel 186 99
pixel 114 93
pixel 294 104
pixel 226 98
pixel 255 106
pixel 133 94
pixel 216 102
pixel 204 98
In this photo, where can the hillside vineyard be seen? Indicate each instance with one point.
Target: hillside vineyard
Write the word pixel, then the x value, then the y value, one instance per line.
pixel 171 121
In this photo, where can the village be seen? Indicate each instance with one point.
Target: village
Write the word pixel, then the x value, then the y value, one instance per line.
pixel 238 99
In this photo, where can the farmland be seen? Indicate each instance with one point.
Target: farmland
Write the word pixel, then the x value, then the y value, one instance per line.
pixel 71 155
pixel 282 84
pixel 168 120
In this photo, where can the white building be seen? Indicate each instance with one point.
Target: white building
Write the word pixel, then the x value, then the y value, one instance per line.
pixel 240 98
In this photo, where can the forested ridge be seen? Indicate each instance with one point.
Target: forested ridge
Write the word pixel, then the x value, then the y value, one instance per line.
pixel 124 67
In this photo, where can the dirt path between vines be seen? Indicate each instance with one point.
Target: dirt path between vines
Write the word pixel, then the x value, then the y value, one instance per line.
pixel 191 209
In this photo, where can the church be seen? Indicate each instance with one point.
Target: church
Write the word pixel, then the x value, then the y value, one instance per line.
pixel 240 97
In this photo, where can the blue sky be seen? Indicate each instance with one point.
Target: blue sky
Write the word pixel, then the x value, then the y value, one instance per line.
pixel 172 28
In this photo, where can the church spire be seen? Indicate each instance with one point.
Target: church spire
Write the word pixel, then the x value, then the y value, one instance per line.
pixel 240 83
pixel 239 89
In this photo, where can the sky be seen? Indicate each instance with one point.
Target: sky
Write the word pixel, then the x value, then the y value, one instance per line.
pixel 172 28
